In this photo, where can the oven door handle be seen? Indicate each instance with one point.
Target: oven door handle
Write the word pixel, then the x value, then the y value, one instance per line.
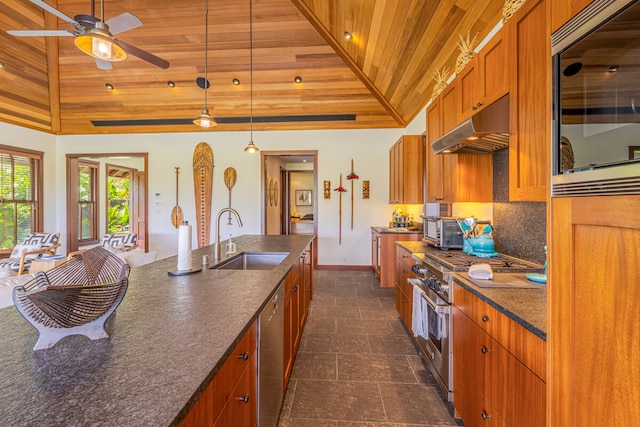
pixel 440 309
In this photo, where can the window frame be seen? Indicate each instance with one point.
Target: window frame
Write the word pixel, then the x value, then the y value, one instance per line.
pixel 94 167
pixel 37 195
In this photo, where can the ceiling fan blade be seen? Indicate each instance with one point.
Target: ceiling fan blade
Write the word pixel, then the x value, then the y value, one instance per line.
pixel 144 55
pixel 123 22
pixel 56 12
pixel 103 65
pixel 45 33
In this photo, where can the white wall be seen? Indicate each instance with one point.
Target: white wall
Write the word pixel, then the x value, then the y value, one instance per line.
pixel 368 148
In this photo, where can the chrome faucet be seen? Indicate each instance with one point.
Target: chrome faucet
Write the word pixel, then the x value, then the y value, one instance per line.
pixel 216 253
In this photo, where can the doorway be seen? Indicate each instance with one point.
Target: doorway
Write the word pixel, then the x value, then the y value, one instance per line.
pixel 117 205
pixel 287 175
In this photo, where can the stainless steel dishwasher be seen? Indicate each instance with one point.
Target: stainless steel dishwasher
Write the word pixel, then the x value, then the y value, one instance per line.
pixel 271 358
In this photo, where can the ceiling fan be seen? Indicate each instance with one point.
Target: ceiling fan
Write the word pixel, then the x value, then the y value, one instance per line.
pixel 95 36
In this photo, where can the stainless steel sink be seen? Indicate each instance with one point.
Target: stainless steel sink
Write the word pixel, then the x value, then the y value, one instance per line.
pixel 252 261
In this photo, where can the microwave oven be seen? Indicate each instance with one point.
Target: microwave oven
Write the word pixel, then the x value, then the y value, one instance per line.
pixel 596 111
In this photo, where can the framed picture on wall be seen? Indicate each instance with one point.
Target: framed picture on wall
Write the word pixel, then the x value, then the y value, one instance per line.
pixel 303 198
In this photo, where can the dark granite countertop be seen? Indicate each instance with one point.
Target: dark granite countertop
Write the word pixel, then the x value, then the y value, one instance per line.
pixel 383 230
pixel 169 337
pixel 527 307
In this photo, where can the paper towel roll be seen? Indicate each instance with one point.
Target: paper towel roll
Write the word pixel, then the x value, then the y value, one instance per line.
pixel 184 248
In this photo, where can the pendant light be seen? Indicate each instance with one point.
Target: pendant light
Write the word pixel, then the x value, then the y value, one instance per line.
pixel 99 42
pixel 251 148
pixel 205 120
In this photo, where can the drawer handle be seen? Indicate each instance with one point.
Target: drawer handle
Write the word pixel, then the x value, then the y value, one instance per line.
pixel 244 399
pixel 485 318
pixel 244 356
pixel 485 350
pixel 485 416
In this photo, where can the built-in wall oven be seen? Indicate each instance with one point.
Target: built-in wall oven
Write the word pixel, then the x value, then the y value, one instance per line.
pixel 433 277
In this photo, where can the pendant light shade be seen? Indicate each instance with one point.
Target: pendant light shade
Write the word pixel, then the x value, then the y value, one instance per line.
pixel 251 148
pixel 204 120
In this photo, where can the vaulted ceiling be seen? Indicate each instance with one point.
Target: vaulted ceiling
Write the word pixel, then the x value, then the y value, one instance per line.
pixel 380 79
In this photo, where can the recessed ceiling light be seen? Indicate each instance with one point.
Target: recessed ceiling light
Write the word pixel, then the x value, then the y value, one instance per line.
pixel 347 35
pixel 236 82
pixel 614 68
pixel 109 86
pixel 1 64
pixel 298 79
pixel 171 84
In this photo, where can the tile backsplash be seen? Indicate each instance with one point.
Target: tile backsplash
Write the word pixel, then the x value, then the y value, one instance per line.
pixel 520 227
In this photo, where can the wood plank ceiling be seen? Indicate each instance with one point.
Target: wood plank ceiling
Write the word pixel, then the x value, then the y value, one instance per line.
pixel 383 76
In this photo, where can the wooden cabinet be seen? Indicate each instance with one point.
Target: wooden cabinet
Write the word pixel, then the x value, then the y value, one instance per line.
pixel 499 367
pixel 230 399
pixel 387 254
pixel 406 170
pixel 593 311
pixel 485 79
pixel 404 291
pixel 297 297
pixel 459 178
pixel 529 102
pixel 564 10
pixel 454 178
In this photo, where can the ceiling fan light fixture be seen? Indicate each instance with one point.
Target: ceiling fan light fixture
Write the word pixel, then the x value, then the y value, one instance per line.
pixel 99 43
pixel 204 120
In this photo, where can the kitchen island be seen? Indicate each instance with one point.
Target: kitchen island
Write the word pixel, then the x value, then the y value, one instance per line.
pixel 169 337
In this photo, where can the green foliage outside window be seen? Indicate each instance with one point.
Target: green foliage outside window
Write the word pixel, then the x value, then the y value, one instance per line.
pixel 118 208
pixel 16 199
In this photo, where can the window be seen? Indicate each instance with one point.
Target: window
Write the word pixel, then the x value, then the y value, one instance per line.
pixel 20 194
pixel 119 180
pixel 87 201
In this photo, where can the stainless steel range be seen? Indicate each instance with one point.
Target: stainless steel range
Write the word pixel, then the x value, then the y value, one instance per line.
pixel 433 277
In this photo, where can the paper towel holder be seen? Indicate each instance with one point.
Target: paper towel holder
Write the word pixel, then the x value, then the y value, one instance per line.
pixel 184 272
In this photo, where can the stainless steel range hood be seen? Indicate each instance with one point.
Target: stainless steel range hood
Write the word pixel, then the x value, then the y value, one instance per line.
pixel 485 132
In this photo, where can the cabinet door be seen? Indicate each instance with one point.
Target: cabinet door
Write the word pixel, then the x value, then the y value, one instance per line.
pixel 434 163
pixel 240 409
pixel 594 318
pixel 450 107
pixel 529 103
pixel 516 393
pixel 472 180
pixel 393 174
pixel 412 189
pixel 493 71
pixel 469 89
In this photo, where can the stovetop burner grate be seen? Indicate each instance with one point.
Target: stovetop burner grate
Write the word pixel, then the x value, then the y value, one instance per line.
pixel 460 261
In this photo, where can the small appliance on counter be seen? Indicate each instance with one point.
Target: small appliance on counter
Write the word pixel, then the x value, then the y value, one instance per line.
pixel 442 232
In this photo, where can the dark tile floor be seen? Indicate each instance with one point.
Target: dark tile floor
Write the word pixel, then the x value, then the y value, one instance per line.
pixel 356 365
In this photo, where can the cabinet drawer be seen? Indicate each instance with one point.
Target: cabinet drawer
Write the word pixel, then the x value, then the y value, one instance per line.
pixel 473 407
pixel 240 409
pixel 242 356
pixel 522 343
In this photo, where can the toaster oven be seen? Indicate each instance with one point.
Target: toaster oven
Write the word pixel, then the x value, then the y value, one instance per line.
pixel 442 232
